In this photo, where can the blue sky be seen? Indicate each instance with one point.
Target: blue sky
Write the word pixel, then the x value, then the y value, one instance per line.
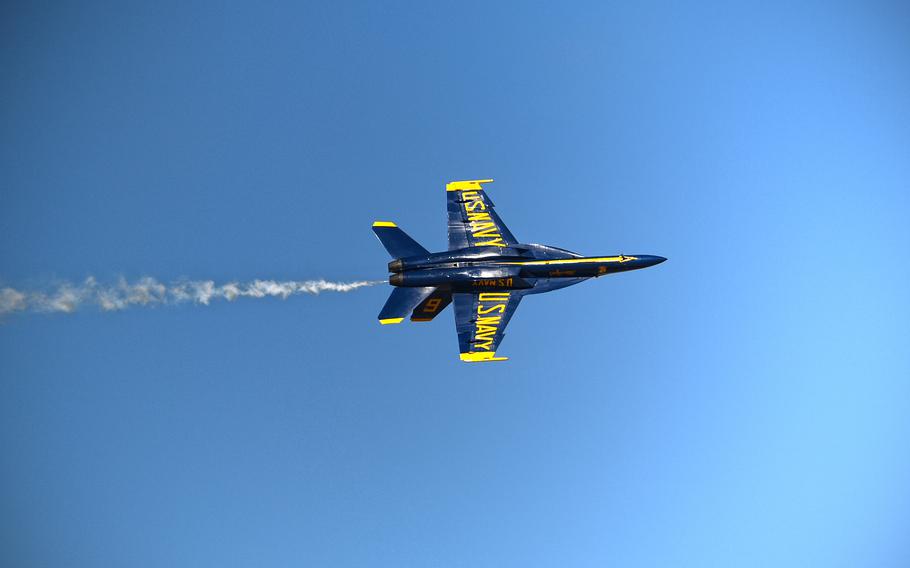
pixel 744 404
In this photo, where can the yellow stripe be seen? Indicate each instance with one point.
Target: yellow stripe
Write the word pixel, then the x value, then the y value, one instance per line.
pixel 384 224
pixel 573 260
pixel 467 184
pixel 391 320
pixel 481 357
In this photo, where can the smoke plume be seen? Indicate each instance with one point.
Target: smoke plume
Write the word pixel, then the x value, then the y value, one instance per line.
pixel 147 291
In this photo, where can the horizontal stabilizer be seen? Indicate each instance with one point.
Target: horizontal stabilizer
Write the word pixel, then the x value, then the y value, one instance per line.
pixel 396 241
pixel 401 302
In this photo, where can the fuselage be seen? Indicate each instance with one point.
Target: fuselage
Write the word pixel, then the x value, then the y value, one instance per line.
pixel 532 267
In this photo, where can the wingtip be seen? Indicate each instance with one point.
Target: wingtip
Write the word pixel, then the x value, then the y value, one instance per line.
pixel 481 357
pixel 467 184
pixel 387 321
pixel 384 224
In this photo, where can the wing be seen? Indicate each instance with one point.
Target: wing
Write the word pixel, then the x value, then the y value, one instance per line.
pixel 472 220
pixel 481 320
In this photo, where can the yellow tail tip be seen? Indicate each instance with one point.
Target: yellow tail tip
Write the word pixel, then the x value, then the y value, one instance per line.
pixel 384 224
pixel 390 320
pixel 481 357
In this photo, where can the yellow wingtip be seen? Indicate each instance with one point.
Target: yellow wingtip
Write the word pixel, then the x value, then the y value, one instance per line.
pixel 390 320
pixel 466 184
pixel 481 357
pixel 384 224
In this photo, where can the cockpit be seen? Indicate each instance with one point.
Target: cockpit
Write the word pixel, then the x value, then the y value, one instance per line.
pixel 548 252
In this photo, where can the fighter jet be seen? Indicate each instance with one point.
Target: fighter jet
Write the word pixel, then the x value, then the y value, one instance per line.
pixel 485 273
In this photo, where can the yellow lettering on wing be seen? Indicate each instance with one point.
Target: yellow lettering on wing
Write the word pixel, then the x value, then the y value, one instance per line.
pixel 493 296
pixel 484 230
pixel 472 201
pixel 494 243
pixel 481 223
pixel 481 309
pixel 486 327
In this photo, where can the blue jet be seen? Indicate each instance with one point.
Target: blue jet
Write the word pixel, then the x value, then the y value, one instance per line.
pixel 485 273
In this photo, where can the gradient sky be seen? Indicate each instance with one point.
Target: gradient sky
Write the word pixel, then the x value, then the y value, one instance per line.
pixel 746 403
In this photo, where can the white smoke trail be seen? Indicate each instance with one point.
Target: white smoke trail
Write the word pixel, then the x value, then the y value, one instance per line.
pixel 147 291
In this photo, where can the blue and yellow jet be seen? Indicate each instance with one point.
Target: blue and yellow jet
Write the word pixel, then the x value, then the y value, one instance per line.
pixel 485 272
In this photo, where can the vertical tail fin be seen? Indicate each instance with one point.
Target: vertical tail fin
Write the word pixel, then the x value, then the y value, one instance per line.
pixel 396 241
pixel 432 305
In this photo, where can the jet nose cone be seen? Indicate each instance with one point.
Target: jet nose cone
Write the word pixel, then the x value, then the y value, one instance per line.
pixel 647 260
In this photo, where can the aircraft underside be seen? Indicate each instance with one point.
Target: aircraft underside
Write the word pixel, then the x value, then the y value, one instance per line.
pixel 484 274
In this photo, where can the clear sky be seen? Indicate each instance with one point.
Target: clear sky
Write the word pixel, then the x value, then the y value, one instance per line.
pixel 746 403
